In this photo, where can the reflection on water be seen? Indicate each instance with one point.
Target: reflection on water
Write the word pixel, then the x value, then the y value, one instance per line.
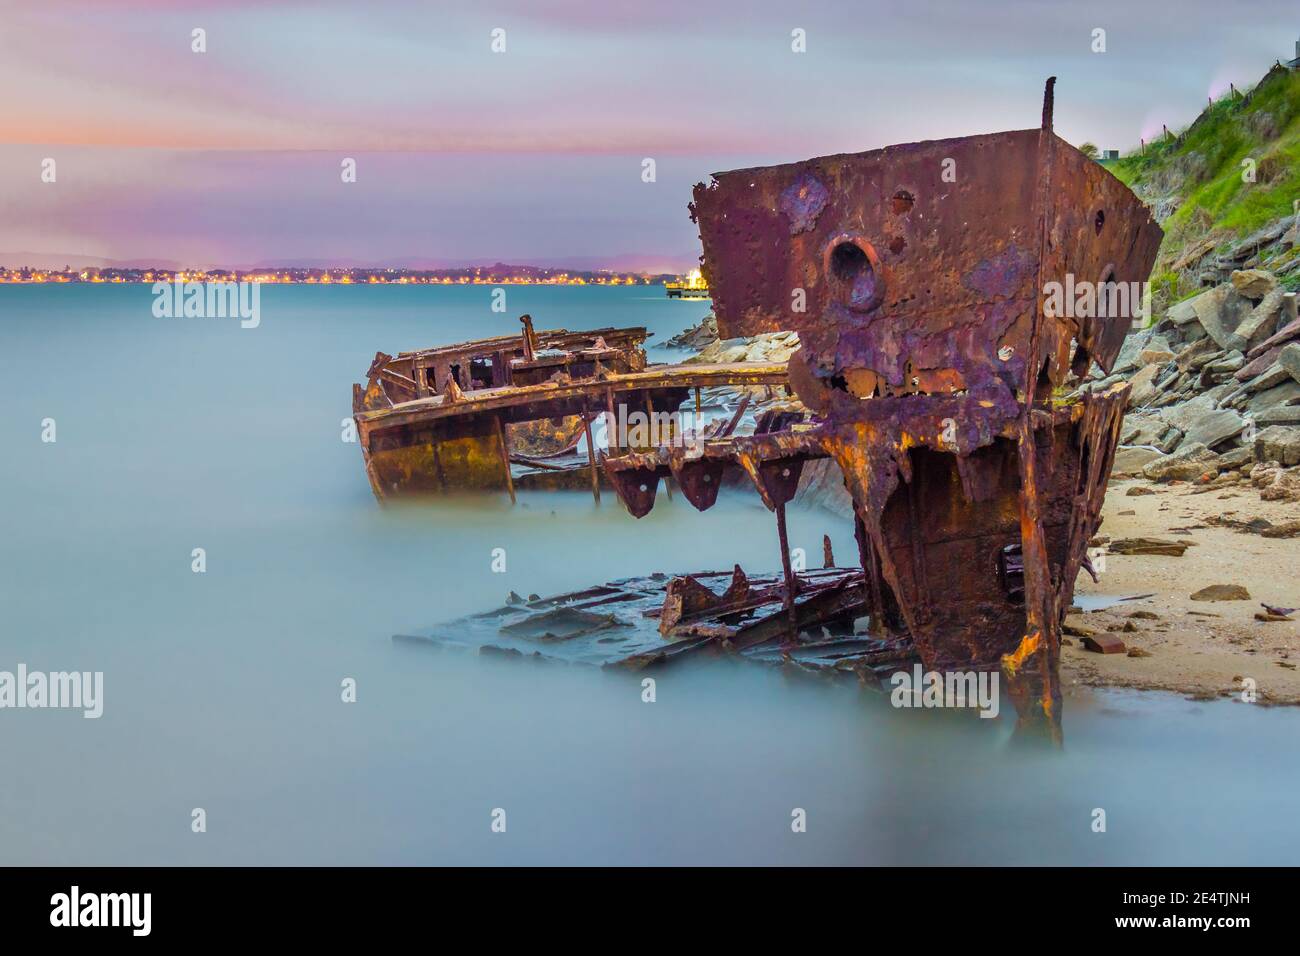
pixel 222 690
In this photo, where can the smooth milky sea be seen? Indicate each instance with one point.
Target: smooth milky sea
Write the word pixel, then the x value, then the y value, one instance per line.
pixel 221 690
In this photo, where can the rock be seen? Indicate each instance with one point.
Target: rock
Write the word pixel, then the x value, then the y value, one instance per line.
pixel 1074 624
pixel 1138 652
pixel 1270 233
pixel 1237 457
pixel 1195 350
pixel 822 485
pixel 1208 357
pixel 1155 356
pixel 1280 443
pixel 1142 429
pixel 1134 344
pixel 1104 644
pixel 1222 592
pixel 1270 397
pixel 1143 386
pixel 1220 311
pixel 1183 416
pixel 698 336
pixel 1279 415
pixel 1285 486
pixel 1181 313
pixel 1136 490
pixel 1258 365
pixel 1259 325
pixel 1214 427
pixel 1271 377
pixel 1254 283
pixel 1163 546
pixel 1191 461
pixel 1229 363
pixel 1289 359
pixel 1145 615
pixel 1285 334
pixel 1131 461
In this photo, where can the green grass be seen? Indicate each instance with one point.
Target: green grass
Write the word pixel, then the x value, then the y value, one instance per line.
pixel 1208 160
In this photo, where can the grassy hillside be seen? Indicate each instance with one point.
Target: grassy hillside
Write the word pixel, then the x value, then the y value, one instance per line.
pixel 1194 180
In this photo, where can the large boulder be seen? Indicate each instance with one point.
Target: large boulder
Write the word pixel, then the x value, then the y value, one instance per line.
pixel 1219 311
pixel 1186 415
pixel 1131 459
pixel 1289 359
pixel 1181 313
pixel 1258 365
pixel 1254 283
pixel 1213 427
pixel 1279 443
pixel 1283 335
pixel 1189 463
pixel 1135 343
pixel 1202 350
pixel 1261 322
pixel 1280 394
pixel 1149 430
pixel 1142 386
pixel 1271 377
pixel 1279 415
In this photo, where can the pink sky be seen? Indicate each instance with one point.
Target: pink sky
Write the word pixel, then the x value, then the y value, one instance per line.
pixel 536 152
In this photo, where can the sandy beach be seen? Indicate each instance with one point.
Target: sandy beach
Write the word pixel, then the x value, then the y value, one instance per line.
pixel 1198 648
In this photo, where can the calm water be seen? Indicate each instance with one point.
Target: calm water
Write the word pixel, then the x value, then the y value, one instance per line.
pixel 222 690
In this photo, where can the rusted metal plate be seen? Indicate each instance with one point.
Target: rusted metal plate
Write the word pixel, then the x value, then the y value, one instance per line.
pixel 1104 644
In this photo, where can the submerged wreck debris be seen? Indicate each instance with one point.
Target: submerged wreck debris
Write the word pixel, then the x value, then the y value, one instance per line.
pixel 471 416
pixel 656 620
pixel 916 277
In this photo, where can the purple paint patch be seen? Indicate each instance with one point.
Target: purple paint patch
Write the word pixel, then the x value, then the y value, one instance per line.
pixel 1002 275
pixel 802 202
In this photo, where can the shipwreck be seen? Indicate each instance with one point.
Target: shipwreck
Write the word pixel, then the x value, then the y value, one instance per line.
pixel 492 414
pixel 933 377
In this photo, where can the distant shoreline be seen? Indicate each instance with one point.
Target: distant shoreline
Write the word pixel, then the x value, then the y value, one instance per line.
pixel 325 277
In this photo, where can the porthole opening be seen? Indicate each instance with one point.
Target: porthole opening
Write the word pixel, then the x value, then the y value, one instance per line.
pixel 849 262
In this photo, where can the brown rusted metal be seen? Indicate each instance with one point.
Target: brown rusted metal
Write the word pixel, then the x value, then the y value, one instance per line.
pixel 787 572
pixel 530 346
pixel 916 277
pixel 658 621
pixel 591 457
pixel 505 458
pixel 446 418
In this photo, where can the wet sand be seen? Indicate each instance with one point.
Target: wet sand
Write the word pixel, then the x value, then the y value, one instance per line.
pixel 1198 648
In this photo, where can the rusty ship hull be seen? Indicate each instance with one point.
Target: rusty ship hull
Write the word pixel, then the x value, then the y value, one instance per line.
pixel 917 277
pixel 468 417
